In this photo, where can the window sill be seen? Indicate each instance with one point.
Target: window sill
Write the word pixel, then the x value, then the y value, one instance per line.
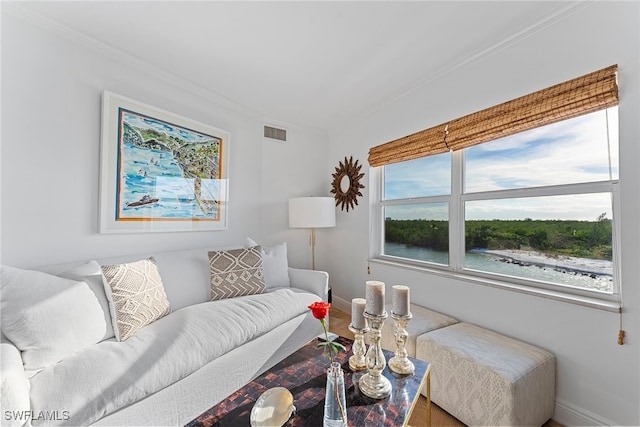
pixel 586 301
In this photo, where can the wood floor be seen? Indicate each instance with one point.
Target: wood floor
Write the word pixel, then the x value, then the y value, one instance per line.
pixel 339 324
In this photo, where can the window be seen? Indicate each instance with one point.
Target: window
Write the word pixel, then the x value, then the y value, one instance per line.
pixel 416 209
pixel 534 208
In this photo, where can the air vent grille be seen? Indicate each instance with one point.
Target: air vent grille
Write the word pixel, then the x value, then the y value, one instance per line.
pixel 275 133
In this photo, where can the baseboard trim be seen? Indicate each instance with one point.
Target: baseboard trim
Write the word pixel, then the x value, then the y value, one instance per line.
pixel 569 414
pixel 340 303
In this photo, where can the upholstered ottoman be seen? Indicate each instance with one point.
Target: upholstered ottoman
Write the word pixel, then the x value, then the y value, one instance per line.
pixel 484 378
pixel 423 321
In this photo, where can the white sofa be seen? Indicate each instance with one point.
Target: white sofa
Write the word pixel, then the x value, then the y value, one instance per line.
pixel 173 369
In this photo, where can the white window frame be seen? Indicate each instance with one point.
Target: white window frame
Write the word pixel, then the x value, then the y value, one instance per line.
pixel 455 269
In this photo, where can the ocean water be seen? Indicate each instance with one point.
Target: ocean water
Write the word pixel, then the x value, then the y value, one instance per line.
pixel 155 173
pixel 496 264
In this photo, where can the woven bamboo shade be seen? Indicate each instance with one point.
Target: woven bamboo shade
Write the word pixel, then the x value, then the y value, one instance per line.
pixel 573 98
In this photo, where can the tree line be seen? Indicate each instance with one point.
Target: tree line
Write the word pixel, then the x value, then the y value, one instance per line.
pixel 585 239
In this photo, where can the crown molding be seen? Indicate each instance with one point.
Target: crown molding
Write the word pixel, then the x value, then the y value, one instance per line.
pixel 561 13
pixel 148 68
pixel 132 61
pixel 199 90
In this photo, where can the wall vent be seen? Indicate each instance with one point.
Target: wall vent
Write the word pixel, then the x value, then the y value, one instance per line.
pixel 275 133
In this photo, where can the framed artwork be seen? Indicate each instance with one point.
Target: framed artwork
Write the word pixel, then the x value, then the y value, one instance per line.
pixel 160 171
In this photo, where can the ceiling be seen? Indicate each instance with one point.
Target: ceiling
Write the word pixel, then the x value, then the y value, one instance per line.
pixel 316 64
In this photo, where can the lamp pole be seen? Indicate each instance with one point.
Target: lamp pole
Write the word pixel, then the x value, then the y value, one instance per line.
pixel 312 212
pixel 313 248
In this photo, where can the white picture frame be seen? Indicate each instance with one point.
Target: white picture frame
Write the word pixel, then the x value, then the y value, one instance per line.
pixel 159 171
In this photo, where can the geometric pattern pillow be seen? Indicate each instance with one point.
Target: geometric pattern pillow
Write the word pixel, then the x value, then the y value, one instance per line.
pixel 136 296
pixel 236 272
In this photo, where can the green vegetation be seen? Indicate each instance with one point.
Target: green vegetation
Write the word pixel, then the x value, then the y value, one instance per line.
pixel 585 239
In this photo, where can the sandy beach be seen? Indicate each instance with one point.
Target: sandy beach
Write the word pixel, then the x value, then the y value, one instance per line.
pixel 574 264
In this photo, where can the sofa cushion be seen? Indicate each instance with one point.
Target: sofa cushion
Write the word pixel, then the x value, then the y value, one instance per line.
pixel 275 264
pixel 236 272
pixel 136 296
pixel 14 386
pixel 48 317
pixel 111 375
pixel 91 273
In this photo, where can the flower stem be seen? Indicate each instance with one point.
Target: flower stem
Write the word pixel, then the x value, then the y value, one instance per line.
pixel 335 371
pixel 326 337
pixel 335 388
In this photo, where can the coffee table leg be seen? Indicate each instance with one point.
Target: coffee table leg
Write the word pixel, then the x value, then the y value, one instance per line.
pixel 428 385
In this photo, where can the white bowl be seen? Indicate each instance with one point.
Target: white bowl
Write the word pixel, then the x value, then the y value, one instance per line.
pixel 273 408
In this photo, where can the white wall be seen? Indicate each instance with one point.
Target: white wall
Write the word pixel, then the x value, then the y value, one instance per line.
pixel 51 89
pixel 52 82
pixel 598 381
pixel 290 170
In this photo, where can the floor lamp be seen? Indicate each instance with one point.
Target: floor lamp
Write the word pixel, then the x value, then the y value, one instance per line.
pixel 312 212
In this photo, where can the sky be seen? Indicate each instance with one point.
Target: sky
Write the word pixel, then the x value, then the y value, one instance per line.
pixel 571 151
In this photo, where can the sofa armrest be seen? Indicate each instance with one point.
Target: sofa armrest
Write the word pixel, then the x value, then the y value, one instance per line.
pixel 314 281
pixel 14 387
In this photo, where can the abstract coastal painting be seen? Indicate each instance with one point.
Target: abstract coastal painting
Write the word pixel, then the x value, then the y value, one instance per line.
pixel 160 171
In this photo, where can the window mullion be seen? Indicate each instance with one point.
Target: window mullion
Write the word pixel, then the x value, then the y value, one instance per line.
pixel 615 241
pixel 376 208
pixel 550 190
pixel 416 200
pixel 456 212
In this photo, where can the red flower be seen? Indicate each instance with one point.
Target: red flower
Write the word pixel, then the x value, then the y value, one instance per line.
pixel 320 309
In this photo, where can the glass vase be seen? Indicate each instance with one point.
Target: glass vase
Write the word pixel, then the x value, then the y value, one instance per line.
pixel 335 404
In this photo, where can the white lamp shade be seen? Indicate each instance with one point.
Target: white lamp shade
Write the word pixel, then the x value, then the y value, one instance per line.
pixel 312 212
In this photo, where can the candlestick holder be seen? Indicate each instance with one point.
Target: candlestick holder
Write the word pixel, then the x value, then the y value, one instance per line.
pixel 373 383
pixel 357 362
pixel 400 363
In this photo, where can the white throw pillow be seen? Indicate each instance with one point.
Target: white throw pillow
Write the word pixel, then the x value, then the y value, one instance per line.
pixel 136 296
pixel 48 317
pixel 275 265
pixel 91 273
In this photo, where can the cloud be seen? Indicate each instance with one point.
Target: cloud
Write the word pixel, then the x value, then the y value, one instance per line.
pixel 571 151
pixel 580 207
pixel 423 177
pixel 566 152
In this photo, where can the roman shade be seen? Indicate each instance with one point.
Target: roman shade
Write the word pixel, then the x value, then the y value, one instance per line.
pixel 582 95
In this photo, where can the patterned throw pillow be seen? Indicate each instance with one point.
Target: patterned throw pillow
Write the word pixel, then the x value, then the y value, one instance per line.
pixel 236 272
pixel 136 296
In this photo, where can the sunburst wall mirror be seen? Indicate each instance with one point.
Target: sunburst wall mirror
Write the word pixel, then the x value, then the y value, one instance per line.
pixel 346 183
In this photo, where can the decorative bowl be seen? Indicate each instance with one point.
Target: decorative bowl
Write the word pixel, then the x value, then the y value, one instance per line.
pixel 273 408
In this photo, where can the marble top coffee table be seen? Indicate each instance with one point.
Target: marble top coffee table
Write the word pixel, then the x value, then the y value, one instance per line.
pixel 303 373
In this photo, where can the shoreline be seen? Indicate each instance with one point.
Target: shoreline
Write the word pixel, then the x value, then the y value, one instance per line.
pixel 584 266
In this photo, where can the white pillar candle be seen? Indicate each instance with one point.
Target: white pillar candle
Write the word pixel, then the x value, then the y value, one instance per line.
pixel 375 297
pixel 400 300
pixel 357 313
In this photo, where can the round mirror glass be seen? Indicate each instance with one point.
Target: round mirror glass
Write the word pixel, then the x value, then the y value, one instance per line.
pixel 345 183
